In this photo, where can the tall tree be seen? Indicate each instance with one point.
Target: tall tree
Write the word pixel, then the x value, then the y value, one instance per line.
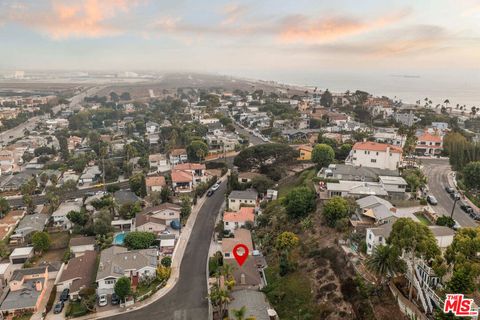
pixel 122 287
pixel 385 261
pixel 197 150
pixel 326 99
pixel 300 202
pixel 323 155
pixel 413 237
pixel 4 207
pixel 335 209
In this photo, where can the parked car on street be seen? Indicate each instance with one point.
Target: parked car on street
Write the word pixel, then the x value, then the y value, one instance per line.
pixel 455 195
pixel 216 186
pixel 432 200
pixel 210 193
pixel 474 215
pixel 465 207
pixel 58 307
pixel 456 226
pixel 449 189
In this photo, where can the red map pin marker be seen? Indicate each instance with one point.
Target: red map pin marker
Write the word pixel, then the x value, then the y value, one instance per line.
pixel 240 255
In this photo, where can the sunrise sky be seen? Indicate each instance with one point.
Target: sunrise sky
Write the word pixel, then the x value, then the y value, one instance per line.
pixel 256 38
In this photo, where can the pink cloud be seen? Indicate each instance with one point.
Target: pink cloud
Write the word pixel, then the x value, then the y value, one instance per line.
pixel 302 29
pixel 79 19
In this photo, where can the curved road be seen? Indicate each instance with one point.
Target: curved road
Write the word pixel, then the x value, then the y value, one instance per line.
pixel 437 171
pixel 188 299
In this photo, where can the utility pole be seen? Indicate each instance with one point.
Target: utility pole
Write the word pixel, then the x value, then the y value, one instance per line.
pixel 453 208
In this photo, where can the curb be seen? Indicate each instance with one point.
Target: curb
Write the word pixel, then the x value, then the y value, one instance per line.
pixel 175 273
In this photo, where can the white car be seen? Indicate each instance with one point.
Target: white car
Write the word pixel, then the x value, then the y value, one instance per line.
pixel 216 186
pixel 102 300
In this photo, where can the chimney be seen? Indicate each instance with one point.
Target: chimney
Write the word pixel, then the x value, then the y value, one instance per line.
pixel 242 279
pixel 100 266
pixel 38 286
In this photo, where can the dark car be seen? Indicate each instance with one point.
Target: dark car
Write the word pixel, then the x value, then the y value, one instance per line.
pixel 455 195
pixel 58 307
pixel 475 216
pixel 210 193
pixel 64 295
pixel 115 299
pixel 466 208
pixel 449 189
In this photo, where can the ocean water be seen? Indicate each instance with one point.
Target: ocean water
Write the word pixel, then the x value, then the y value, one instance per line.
pixel 409 87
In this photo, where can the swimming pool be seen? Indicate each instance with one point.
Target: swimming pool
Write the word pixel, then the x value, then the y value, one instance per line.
pixel 119 238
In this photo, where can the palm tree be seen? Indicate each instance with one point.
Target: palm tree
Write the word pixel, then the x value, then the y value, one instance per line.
pixel 385 262
pixel 239 314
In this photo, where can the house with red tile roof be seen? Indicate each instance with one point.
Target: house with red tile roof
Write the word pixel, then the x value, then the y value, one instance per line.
pixel 155 183
pixel 185 176
pixel 238 219
pixel 375 155
pixel 429 143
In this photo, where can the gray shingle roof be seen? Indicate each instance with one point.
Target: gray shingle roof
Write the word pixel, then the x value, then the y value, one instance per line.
pixel 115 260
pixel 249 194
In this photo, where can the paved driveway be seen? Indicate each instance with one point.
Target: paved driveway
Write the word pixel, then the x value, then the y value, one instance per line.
pixel 437 171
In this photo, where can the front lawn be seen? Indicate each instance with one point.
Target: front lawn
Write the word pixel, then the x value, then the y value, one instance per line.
pixel 75 309
pixel 423 219
pixel 141 289
pixel 25 316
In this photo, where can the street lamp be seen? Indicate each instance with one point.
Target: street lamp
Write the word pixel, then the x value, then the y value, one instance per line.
pixel 453 208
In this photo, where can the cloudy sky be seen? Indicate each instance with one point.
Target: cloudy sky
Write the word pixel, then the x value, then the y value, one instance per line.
pixel 257 38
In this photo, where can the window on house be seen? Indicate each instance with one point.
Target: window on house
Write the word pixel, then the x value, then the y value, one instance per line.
pixel 227 254
pixel 377 153
pixel 231 200
pixel 369 236
pixel 373 160
pixel 380 239
pixel 226 223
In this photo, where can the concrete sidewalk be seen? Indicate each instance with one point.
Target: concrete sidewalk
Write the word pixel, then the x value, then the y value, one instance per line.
pixel 177 257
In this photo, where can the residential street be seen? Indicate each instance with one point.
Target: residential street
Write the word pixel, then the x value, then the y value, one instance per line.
pixel 437 171
pixel 188 299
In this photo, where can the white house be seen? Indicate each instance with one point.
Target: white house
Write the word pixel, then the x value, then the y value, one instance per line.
pixel 59 216
pixel 235 220
pixel 158 162
pixel 375 155
pixel 178 156
pixel 238 198
pixel 117 262
pixel 379 235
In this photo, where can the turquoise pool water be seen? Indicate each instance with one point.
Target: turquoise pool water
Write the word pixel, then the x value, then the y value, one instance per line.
pixel 119 238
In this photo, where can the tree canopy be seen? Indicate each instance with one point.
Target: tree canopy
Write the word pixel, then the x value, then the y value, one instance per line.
pixel 335 209
pixel 122 287
pixel 300 202
pixel 323 155
pixel 270 153
pixel 197 150
pixel 413 237
pixel 4 207
pixel 471 175
pixel 139 240
pixel 138 184
pixel 41 241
